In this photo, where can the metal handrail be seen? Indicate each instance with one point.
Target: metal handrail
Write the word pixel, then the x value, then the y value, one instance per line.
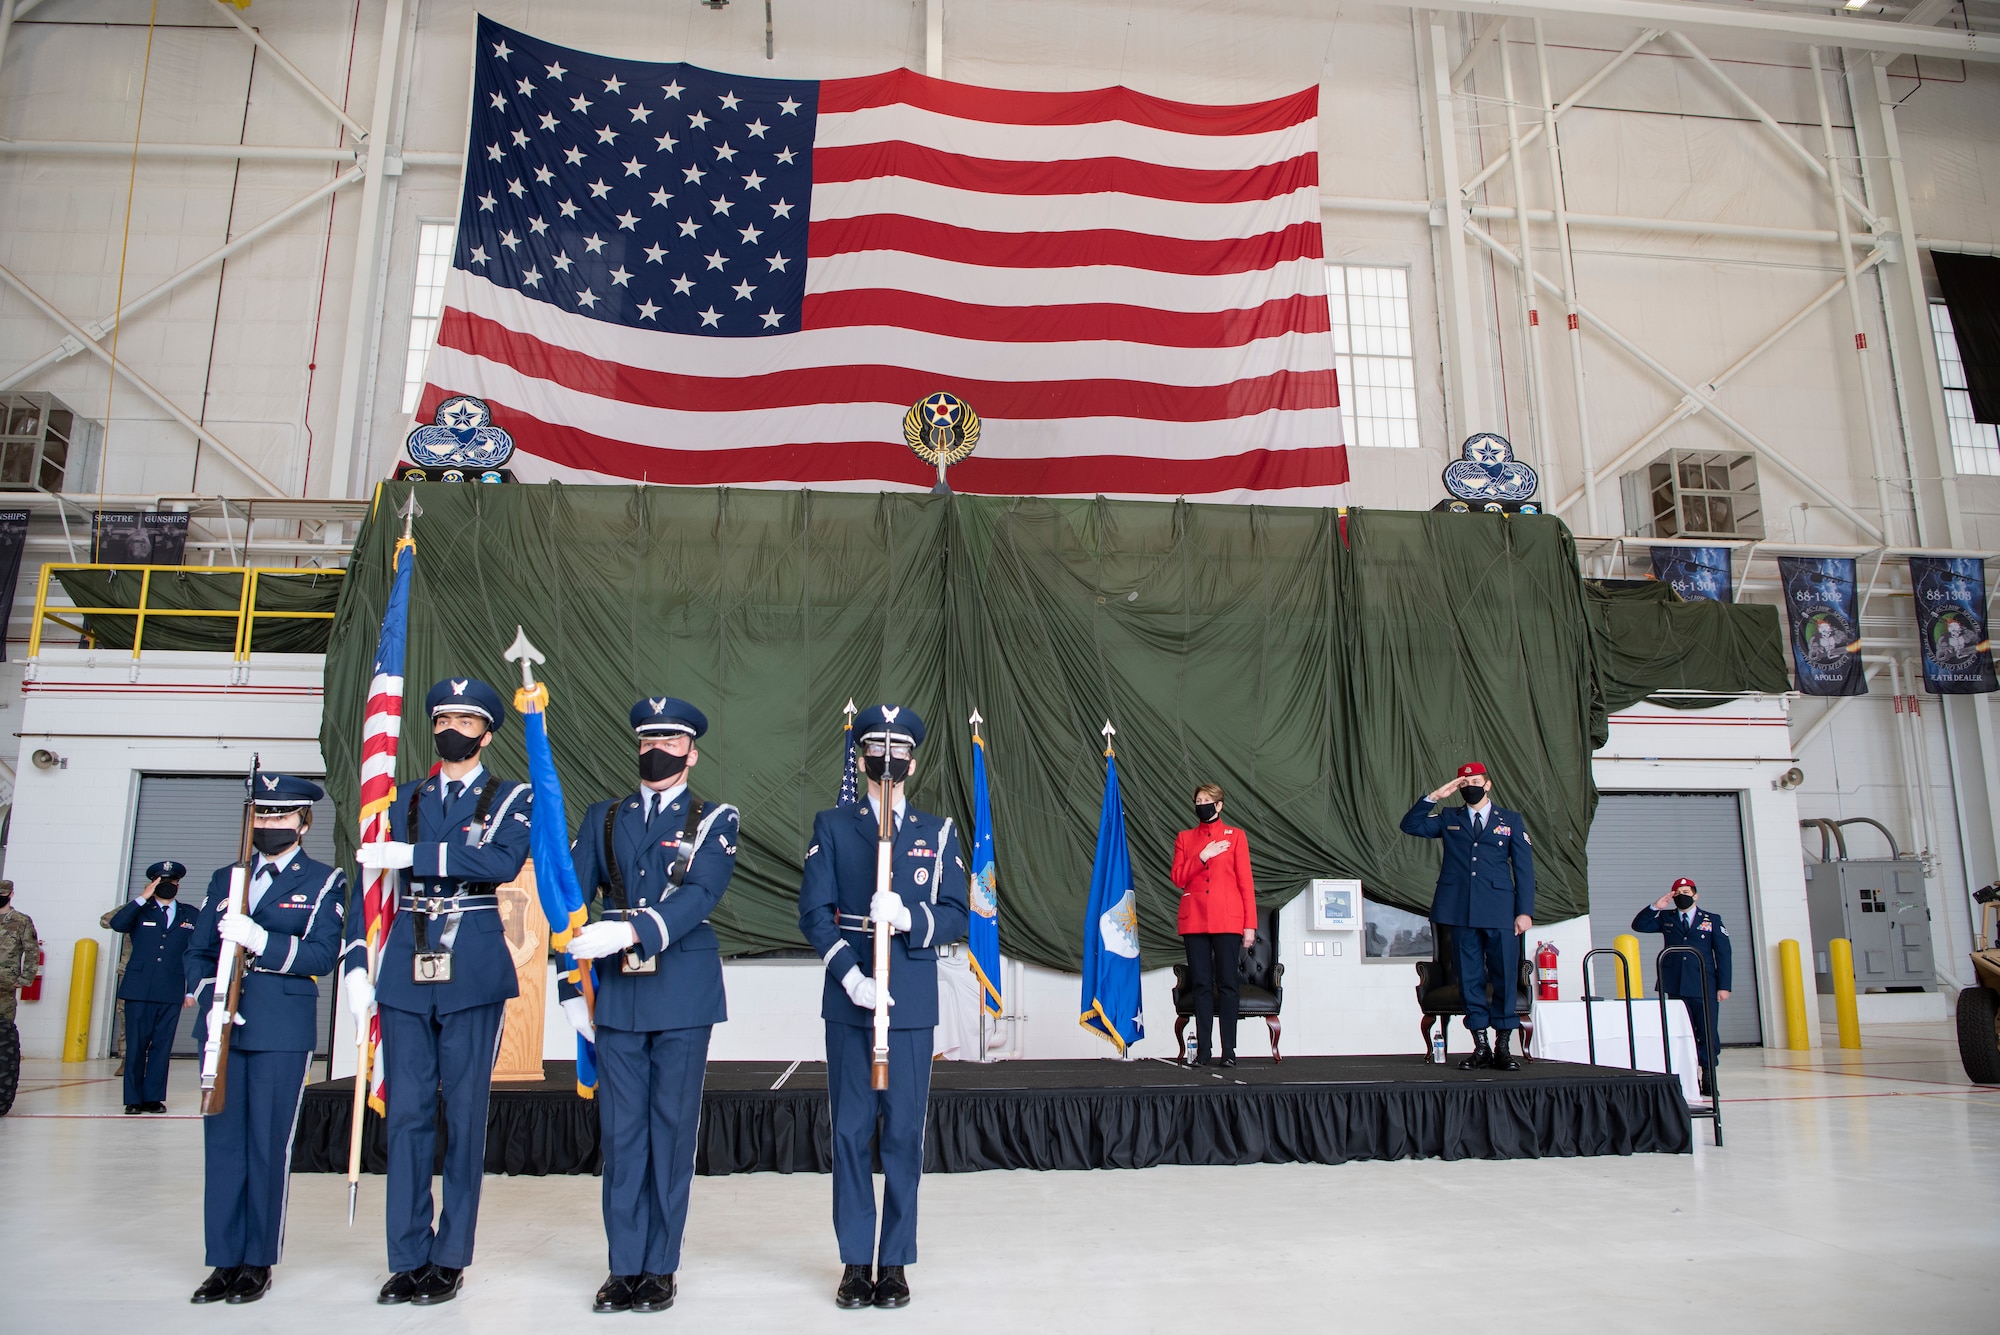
pixel 245 614
pixel 1709 1018
pixel 1589 1016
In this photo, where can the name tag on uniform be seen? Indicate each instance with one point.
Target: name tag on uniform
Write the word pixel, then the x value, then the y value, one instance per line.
pixel 430 966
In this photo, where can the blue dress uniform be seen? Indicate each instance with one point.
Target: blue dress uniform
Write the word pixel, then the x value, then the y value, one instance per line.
pixel 1682 977
pixel 930 878
pixel 153 986
pixel 657 1002
pixel 299 905
pixel 1486 880
pixel 443 1036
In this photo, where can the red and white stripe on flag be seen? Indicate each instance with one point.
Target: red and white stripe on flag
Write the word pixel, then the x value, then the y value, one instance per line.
pixel 381 728
pixel 1129 291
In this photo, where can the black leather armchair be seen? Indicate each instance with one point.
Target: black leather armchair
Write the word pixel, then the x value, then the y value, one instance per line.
pixel 1439 996
pixel 1260 985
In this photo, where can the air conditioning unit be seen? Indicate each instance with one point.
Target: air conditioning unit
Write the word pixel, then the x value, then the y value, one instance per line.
pixel 45 445
pixel 1694 494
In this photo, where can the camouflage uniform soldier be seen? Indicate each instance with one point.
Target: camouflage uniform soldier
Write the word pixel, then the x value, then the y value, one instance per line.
pixel 20 961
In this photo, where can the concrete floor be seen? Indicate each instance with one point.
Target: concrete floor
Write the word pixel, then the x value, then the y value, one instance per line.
pixel 1857 1192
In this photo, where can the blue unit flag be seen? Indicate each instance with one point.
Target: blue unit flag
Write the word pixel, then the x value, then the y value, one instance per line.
pixel 555 874
pixel 1111 1004
pixel 983 934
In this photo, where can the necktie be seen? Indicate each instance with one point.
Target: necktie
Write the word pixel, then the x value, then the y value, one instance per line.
pixel 452 790
pixel 259 883
pixel 1478 826
pixel 652 805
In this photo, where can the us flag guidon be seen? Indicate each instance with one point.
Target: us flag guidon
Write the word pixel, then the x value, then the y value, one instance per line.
pixel 667 274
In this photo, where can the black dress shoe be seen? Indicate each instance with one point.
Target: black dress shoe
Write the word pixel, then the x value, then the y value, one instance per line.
pixel 653 1293
pixel 1503 1060
pixel 252 1282
pixel 133 1109
pixel 439 1284
pixel 402 1287
pixel 856 1288
pixel 1229 1061
pixel 153 1107
pixel 891 1289
pixel 216 1287
pixel 615 1294
pixel 1481 1056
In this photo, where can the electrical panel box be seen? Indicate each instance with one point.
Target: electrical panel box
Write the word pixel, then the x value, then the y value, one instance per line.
pixel 1694 494
pixel 1878 905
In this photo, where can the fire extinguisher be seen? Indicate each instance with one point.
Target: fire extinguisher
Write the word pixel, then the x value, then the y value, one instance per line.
pixel 1545 971
pixel 33 991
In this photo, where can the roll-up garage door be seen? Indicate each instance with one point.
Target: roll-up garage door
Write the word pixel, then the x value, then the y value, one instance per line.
pixel 198 819
pixel 1639 844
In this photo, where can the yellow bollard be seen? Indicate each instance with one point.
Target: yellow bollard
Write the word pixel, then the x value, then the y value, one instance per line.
pixel 82 988
pixel 1840 958
pixel 1792 979
pixel 1627 945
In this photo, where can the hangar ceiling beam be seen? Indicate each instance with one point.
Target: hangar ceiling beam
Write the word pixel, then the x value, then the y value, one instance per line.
pixel 1653 364
pixel 138 382
pixel 298 76
pixel 1465 407
pixel 1562 108
pixel 1855 34
pixel 69 347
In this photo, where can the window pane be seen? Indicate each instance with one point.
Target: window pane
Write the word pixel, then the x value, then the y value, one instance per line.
pixel 1975 446
pixel 435 245
pixel 1369 307
pixel 1392 933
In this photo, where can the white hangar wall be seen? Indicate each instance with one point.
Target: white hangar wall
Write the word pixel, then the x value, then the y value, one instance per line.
pixel 277 349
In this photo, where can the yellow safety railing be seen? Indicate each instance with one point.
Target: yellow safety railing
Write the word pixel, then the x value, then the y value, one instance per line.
pixel 246 614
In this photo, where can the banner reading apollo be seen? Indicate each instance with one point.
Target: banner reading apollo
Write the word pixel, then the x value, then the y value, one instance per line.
pixel 1820 611
pixel 669 274
pixel 1951 624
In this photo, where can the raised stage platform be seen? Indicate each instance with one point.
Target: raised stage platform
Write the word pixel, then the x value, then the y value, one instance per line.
pixel 772 1116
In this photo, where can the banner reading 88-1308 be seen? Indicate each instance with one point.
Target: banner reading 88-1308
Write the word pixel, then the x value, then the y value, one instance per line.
pixel 1951 623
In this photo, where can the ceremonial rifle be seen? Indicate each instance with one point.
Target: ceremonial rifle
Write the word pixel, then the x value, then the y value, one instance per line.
pixel 885 840
pixel 228 981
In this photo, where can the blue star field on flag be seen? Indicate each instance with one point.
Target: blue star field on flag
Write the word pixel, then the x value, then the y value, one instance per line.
pixel 656 196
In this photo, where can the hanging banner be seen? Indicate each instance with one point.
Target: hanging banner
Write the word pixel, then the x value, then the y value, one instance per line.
pixel 1951 623
pixel 139 537
pixel 1821 609
pixel 1694 573
pixel 13 539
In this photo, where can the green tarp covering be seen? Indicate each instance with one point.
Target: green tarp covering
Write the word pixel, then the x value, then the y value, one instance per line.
pixel 1647 639
pixel 307 591
pixel 1324 684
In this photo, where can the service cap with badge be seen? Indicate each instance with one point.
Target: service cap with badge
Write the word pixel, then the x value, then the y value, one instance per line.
pixel 465 695
pixel 667 716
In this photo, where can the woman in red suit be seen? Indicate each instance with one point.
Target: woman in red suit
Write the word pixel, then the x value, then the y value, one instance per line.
pixel 1218 911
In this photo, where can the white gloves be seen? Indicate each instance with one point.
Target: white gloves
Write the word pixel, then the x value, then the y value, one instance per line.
pixel 860 988
pixel 386 856
pixel 1215 847
pixel 240 929
pixel 598 939
pixel 888 906
pixel 360 995
pixel 578 1011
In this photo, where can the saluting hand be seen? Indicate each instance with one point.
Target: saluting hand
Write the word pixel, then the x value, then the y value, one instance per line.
pixel 1663 903
pixel 1446 791
pixel 151 886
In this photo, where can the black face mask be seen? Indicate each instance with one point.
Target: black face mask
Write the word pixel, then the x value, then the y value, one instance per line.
pixel 655 765
pixel 1683 902
pixel 6 899
pixel 896 767
pixel 1204 812
pixel 1473 794
pixel 454 746
pixel 271 840
pixel 166 890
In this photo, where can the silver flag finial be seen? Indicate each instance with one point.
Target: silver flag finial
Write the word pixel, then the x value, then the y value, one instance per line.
pixel 850 711
pixel 409 510
pixel 522 651
pixel 975 720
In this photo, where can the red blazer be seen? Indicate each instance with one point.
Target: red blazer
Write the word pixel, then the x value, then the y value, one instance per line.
pixel 1216 896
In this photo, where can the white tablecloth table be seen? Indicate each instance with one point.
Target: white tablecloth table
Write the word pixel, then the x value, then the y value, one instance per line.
pixel 1561 1035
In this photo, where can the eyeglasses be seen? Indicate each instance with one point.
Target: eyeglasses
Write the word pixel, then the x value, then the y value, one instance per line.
pixel 897 750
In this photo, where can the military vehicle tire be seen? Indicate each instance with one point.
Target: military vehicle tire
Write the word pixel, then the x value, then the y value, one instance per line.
pixel 1979 1034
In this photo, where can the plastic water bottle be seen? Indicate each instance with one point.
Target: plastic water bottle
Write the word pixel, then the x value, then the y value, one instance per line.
pixel 1437 1046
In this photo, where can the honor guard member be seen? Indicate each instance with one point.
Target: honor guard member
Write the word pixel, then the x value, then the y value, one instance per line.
pixel 1486 895
pixel 661 857
pixel 153 985
pixel 925 906
pixel 20 962
pixel 443 979
pixel 1676 916
pixel 289 935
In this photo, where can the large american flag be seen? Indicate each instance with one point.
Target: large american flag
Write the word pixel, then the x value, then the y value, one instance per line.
pixel 667 274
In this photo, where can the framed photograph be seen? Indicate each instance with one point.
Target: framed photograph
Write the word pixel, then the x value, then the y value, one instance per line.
pixel 1336 906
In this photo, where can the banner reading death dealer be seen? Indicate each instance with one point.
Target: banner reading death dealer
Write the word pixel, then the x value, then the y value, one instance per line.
pixel 1821 612
pixel 1951 624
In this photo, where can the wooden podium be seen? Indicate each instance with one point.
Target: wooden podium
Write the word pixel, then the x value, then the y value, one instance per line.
pixel 527 931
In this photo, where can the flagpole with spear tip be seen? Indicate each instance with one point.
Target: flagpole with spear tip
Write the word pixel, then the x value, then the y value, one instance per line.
pixel 390 880
pixel 974 723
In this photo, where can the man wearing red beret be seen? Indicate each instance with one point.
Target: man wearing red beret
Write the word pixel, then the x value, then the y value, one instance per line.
pixel 1486 895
